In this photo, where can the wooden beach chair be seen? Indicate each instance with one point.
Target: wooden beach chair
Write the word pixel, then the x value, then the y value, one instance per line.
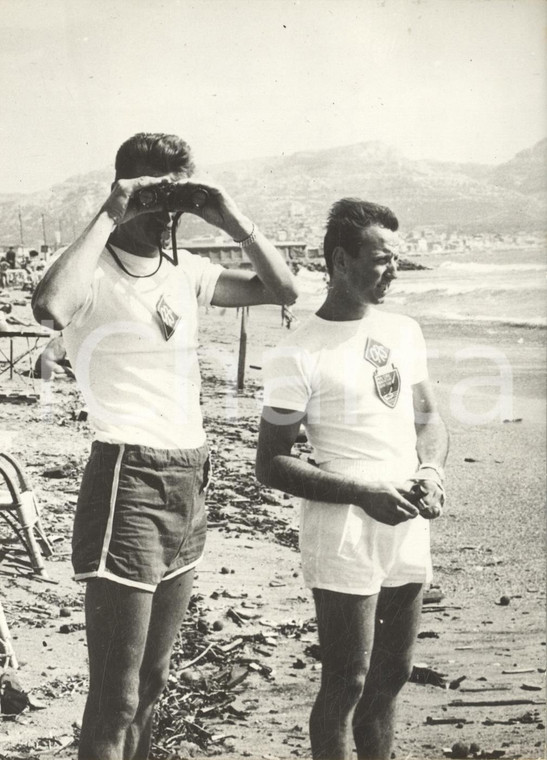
pixel 19 508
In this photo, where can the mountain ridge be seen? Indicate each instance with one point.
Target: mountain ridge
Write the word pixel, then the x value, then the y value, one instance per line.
pixel 291 194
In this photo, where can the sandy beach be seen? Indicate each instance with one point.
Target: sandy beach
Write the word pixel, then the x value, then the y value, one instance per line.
pixel 488 655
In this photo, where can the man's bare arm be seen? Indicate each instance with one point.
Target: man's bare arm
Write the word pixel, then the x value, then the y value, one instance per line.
pixel 431 432
pixel 432 449
pixel 65 285
pixel 272 280
pixel 277 468
pixel 237 287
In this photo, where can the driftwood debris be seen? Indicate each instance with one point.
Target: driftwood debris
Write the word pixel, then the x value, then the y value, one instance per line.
pixel 493 702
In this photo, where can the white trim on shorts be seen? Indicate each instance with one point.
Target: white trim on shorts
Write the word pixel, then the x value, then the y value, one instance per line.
pixel 135 584
pixel 101 570
pixel 180 570
pixel 116 578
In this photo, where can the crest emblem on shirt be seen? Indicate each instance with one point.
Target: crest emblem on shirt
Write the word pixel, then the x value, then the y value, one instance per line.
pixel 386 381
pixel 376 353
pixel 168 317
pixel 388 386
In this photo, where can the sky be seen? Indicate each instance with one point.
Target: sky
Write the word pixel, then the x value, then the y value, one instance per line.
pixel 453 80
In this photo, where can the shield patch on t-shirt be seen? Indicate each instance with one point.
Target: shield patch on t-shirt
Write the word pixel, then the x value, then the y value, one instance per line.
pixel 388 386
pixel 169 318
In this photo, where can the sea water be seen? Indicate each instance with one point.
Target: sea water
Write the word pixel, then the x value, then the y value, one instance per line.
pixel 491 286
pixel 503 286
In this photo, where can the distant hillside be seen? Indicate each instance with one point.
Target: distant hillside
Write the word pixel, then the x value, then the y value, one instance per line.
pixel 423 193
pixel 526 172
pixel 291 194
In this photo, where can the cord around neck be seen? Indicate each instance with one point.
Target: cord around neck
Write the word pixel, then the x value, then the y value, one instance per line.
pixel 124 269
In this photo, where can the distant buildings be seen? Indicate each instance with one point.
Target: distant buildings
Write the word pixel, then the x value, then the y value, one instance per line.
pixel 303 243
pixel 432 241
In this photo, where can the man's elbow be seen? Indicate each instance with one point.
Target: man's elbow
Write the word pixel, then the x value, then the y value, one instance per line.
pixel 287 294
pixel 46 315
pixel 262 471
pixel 290 291
pixel 266 470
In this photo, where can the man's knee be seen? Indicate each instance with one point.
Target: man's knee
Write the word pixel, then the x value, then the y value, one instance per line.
pixel 401 671
pixel 390 673
pixel 153 683
pixel 116 712
pixel 355 685
pixel 126 709
pixel 345 685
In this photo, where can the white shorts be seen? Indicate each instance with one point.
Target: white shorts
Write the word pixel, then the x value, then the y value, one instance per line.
pixel 345 550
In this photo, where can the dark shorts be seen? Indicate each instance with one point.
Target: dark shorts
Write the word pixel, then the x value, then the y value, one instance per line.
pixel 140 517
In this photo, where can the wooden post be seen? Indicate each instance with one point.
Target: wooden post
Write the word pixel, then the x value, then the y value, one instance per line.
pixel 22 238
pixel 8 654
pixel 44 229
pixel 242 350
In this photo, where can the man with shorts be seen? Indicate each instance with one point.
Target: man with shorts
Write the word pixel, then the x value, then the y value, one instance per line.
pixel 129 318
pixel 356 378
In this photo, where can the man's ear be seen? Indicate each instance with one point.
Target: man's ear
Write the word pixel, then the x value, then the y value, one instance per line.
pixel 339 257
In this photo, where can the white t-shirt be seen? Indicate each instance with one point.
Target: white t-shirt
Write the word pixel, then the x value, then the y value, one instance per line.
pixel 327 370
pixel 140 387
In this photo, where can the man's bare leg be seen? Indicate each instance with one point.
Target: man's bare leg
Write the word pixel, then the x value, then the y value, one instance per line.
pixel 346 632
pixel 168 610
pixel 117 623
pixel 397 623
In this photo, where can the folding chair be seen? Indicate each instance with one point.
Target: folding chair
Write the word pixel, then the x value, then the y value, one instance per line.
pixel 19 508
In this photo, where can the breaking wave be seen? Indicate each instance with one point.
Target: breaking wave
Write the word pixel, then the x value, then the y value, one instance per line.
pixel 474 268
pixel 459 288
pixel 509 321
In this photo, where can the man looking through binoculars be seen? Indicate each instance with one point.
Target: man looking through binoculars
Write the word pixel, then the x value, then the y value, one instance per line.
pixel 129 321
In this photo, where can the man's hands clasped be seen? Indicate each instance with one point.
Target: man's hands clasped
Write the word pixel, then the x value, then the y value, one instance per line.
pixel 428 495
pixel 388 503
pixel 428 490
pixel 392 503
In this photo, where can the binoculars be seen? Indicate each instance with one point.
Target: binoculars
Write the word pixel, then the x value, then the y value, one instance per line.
pixel 172 197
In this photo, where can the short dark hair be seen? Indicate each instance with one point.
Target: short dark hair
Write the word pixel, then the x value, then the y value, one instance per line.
pixel 166 153
pixel 347 219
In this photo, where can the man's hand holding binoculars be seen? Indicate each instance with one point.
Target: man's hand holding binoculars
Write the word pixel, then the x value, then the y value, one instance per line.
pixel 143 195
